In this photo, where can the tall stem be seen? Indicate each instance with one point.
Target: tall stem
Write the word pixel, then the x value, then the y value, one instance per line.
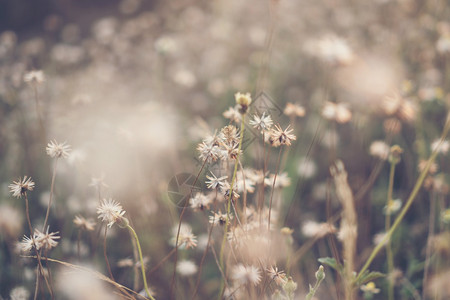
pixel 408 204
pixel 390 257
pixel 224 240
pixel 144 279
pixel 106 257
pixel 51 195
pixel 273 187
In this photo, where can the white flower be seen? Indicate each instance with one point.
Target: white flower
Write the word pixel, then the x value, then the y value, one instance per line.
pixel 46 240
pixel 219 218
pixel 19 293
pixel 110 211
pixel 214 182
pixel 21 187
pixel 186 268
pixel 314 229
pixel 281 181
pixel 280 137
pixel 26 244
pixel 261 123
pixel 34 77
pixel 379 149
pixel 441 147
pixel 55 149
pixel 186 239
pixel 278 276
pixel 370 288
pixel 392 207
pixel 246 274
pixel 337 112
pixel 200 201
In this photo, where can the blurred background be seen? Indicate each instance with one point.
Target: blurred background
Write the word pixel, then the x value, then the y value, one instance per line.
pixel 134 85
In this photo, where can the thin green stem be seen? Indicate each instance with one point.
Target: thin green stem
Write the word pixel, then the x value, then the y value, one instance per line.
pixel 144 279
pixel 106 256
pixel 389 254
pixel 230 199
pixel 408 204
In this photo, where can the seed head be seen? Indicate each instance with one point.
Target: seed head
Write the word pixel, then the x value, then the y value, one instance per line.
pixel 20 187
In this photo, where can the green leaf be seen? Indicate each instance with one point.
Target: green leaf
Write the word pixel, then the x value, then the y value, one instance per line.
pixel 368 276
pixel 331 262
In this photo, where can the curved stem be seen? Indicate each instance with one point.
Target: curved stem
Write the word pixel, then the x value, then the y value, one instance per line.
pixel 408 204
pixel 144 279
pixel 106 257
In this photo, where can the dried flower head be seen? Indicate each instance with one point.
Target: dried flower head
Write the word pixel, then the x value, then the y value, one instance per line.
pixel 337 112
pixel 186 239
pixel 262 123
pixel 200 201
pixel 278 276
pixel 34 77
pixel 110 211
pixel 26 244
pixel 57 150
pixel 219 218
pixel 243 100
pixel 20 187
pixel 45 240
pixel 280 137
pixel 214 182
pixel 233 114
pixel 294 110
pixel 84 224
pixel 246 274
pixel 380 149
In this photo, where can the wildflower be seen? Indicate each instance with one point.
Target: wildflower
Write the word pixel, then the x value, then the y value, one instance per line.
pixel 440 146
pixel 98 182
pixel 219 218
pixel 246 274
pixel 229 134
pixel 392 207
pixel 210 152
pixel 46 240
pixel 421 166
pixel 26 244
pixel 21 187
pixel 214 182
pixel 396 105
pixel 243 100
pixel 227 190
pixel 282 180
pixel 278 276
pixel 186 238
pixel 290 286
pixel 233 114
pixel 186 268
pixel 337 112
pixel 58 150
pixel 200 201
pixel 445 216
pixel 294 110
pixel 34 77
pixel 370 288
pixel 279 136
pixel 314 229
pixel 262 123
pixel 110 211
pixel 394 154
pixel 84 224
pixel 379 149
pixel 306 168
pixel 379 237
pixel 19 293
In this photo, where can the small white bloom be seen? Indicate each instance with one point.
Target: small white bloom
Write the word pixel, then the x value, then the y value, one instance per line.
pixel 56 150
pixel 110 211
pixel 214 182
pixel 380 149
pixel 246 274
pixel 46 240
pixel 21 187
pixel 392 207
pixel 262 123
pixel 19 293
pixel 34 77
pixel 440 147
pixel 186 268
